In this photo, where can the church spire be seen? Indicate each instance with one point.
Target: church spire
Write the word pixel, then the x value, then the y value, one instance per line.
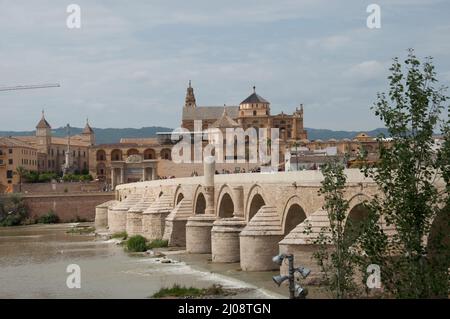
pixel 190 96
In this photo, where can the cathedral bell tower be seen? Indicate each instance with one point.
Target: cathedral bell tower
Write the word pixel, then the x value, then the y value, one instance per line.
pixel 88 134
pixel 43 134
pixel 190 97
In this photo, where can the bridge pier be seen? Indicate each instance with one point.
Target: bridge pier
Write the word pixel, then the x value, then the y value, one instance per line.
pixel 134 215
pixel 259 240
pixel 198 228
pixel 175 229
pixel 198 234
pixel 101 215
pixel 117 215
pixel 225 247
pixel 154 217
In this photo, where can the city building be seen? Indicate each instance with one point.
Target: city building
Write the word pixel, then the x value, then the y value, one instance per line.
pixel 52 150
pixel 15 153
pixel 142 159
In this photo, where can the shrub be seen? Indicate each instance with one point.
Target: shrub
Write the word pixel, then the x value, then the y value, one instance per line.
pixel 49 218
pixel 11 220
pixel 158 243
pixel 13 210
pixel 182 291
pixel 178 291
pixel 137 243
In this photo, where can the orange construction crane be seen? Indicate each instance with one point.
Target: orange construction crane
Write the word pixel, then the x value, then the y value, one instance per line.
pixel 29 87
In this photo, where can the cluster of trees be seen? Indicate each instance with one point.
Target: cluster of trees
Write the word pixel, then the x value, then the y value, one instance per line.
pixel 406 232
pixel 13 210
pixel 45 177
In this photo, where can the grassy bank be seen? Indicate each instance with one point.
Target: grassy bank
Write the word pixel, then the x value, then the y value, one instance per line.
pixel 177 291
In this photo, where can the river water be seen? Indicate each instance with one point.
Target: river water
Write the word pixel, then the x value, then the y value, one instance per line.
pixel 34 261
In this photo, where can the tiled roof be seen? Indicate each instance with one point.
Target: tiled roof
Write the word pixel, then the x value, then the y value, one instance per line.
pixel 139 140
pixel 13 142
pixel 43 123
pixel 88 129
pixel 74 140
pixel 209 112
pixel 225 121
pixel 254 98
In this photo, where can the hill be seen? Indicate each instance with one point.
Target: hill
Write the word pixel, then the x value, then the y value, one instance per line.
pixel 113 135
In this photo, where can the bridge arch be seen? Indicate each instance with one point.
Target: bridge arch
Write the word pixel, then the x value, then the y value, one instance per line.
pixel 293 214
pixel 358 199
pixel 255 200
pixel 356 216
pixel 178 196
pixel 225 204
pixel 199 201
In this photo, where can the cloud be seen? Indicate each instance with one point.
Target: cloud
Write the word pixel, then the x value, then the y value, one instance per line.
pixel 129 64
pixel 367 70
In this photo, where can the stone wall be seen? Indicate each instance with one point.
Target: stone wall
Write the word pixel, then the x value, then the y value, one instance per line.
pixel 58 188
pixel 68 207
pixel 169 168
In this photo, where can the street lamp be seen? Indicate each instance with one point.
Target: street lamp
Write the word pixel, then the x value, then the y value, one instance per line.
pixel 295 291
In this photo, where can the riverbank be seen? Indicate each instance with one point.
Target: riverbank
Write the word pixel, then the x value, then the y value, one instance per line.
pixel 35 258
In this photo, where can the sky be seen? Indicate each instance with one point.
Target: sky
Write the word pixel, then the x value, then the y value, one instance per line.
pixel 130 62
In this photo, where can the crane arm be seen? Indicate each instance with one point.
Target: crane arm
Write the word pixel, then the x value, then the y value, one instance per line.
pixel 29 87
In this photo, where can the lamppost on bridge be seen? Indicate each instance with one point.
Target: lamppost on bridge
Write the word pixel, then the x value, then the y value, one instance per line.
pixel 295 291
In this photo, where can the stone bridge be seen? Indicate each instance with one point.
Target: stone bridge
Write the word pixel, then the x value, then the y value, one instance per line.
pixel 246 218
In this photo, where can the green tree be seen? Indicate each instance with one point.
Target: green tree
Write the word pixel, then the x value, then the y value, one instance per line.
pixel 13 210
pixel 335 255
pixel 411 175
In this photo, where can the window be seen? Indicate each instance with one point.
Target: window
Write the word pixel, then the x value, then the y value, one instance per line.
pixel 10 161
pixel 10 151
pixel 254 113
pixel 9 174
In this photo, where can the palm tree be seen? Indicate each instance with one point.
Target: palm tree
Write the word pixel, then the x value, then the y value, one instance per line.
pixel 21 172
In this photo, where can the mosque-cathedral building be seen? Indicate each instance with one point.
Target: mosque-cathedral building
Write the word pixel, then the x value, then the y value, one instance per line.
pixel 137 159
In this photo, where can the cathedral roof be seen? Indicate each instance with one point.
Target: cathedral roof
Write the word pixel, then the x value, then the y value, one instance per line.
pixel 254 98
pixel 208 112
pixel 225 121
